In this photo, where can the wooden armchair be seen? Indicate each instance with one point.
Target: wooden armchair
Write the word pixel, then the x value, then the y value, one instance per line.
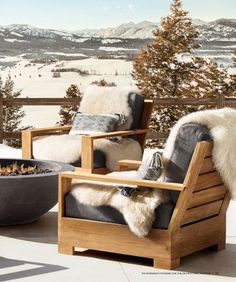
pixel 87 152
pixel 197 222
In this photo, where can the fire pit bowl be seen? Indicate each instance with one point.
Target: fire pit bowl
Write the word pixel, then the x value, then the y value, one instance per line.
pixel 24 198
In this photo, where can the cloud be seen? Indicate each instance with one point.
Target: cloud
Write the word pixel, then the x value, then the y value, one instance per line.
pixel 131 6
pixel 105 8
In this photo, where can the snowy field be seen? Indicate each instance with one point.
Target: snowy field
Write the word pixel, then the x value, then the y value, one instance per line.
pixel 36 80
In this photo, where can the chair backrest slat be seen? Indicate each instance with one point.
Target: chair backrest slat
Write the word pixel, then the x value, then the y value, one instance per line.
pixel 205 193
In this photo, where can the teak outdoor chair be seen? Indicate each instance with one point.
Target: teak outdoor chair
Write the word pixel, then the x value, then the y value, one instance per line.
pixel 88 156
pixel 198 219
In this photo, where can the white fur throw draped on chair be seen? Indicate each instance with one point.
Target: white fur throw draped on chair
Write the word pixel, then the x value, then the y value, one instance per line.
pixel 67 148
pixel 222 126
pixel 139 211
pixel 96 100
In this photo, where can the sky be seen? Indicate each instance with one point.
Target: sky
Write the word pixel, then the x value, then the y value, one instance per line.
pixel 81 14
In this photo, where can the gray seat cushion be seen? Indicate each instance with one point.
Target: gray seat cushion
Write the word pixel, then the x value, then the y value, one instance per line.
pixel 185 143
pixel 75 209
pixel 99 159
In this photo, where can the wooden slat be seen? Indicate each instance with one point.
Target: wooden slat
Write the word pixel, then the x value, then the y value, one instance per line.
pixel 87 155
pixel 207 166
pixel 27 145
pixel 207 180
pixel 122 180
pixel 185 101
pixel 158 135
pixel 209 147
pixel 111 237
pixel 206 196
pixel 118 133
pixel 201 212
pixel 202 234
pixel 42 101
pixel 230 101
pixel 128 165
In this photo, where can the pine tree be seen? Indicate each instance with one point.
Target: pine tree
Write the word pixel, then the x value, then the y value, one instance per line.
pixel 67 112
pixel 233 76
pixel 166 69
pixel 12 115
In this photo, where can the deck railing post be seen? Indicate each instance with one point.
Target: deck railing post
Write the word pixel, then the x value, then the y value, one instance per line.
pixel 220 101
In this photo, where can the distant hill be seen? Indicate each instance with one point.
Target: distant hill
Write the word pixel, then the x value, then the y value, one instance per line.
pixel 219 29
pixel 218 39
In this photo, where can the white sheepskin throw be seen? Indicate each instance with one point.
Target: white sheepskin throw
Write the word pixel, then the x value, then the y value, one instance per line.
pixel 67 148
pixel 112 100
pixel 222 126
pixel 138 210
pixel 96 100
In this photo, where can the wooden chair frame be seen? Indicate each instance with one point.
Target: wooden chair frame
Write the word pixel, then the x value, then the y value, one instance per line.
pixel 87 161
pixel 198 220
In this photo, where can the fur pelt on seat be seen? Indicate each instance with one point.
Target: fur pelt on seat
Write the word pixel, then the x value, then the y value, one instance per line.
pixel 138 210
pixel 112 100
pixel 67 148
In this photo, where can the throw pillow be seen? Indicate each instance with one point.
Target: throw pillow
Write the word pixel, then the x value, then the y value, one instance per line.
pixel 84 124
pixel 150 169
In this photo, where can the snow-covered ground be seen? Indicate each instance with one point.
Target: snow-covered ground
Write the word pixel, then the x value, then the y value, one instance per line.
pixel 8 152
pixel 36 80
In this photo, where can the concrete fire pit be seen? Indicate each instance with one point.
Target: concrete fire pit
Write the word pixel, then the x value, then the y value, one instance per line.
pixel 24 198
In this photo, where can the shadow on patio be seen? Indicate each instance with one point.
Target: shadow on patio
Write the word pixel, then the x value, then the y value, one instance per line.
pixel 45 231
pixel 17 269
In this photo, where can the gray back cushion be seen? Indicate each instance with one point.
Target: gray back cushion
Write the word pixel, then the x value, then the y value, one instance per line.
pixel 186 140
pixel 136 103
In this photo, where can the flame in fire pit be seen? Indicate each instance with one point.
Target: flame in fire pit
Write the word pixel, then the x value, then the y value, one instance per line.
pixel 15 169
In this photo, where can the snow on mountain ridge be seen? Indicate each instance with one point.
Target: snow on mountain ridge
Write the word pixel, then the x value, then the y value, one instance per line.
pixel 144 30
pixel 141 30
pixel 220 29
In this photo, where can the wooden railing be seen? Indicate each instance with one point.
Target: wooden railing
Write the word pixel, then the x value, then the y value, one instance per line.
pixel 30 102
pixel 218 102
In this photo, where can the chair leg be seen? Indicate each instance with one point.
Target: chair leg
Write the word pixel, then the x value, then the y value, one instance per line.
pixel 66 249
pixel 166 263
pixel 219 246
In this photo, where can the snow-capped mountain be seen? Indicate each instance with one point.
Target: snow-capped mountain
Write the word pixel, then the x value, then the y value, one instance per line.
pixel 24 30
pixel 141 30
pixel 215 30
pixel 220 29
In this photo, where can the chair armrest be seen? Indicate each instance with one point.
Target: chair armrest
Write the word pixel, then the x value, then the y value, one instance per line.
pixel 68 176
pixel 124 165
pixel 29 134
pixel 118 133
pixel 48 130
pixel 87 145
pixel 65 180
